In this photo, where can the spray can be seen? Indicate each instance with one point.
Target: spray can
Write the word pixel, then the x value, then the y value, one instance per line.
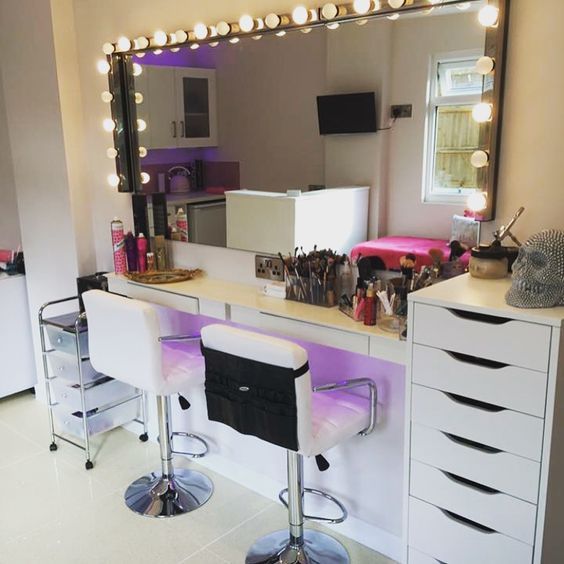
pixel 182 224
pixel 142 252
pixel 118 242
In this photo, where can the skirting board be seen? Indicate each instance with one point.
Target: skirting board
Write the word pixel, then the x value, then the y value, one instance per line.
pixel 374 538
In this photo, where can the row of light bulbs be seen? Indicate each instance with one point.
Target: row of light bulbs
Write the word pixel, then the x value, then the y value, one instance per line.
pixel 488 16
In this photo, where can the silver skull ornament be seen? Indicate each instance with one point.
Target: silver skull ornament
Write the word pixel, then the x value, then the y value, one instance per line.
pixel 538 272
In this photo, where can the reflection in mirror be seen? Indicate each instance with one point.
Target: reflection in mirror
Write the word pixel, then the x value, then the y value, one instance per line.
pixel 247 146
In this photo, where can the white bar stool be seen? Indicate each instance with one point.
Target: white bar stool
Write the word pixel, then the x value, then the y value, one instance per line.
pixel 261 386
pixel 125 343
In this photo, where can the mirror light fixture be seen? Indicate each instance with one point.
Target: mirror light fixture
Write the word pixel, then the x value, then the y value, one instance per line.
pixel 300 15
pixel 123 44
pixel 160 38
pixel 141 125
pixel 395 4
pixel 201 31
pixel 181 36
pixel 112 153
pixel 488 16
pixel 108 48
pixel 213 44
pixel 485 65
pixel 223 29
pixel 272 21
pixel 480 159
pixel 103 66
pixel 138 98
pixel 194 46
pixel 246 23
pixel 145 177
pixel 109 125
pixel 362 6
pixel 107 97
pixel 157 51
pixel 141 43
pixel 137 69
pixel 234 40
pixel 334 25
pixel 113 180
pixel 329 11
pixel 477 201
pixel 142 152
pixel 393 17
pixel 482 112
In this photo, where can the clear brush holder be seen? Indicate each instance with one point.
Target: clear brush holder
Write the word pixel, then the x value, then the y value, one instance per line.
pixel 311 291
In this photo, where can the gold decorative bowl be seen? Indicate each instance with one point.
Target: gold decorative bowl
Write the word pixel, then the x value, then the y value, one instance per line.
pixel 163 276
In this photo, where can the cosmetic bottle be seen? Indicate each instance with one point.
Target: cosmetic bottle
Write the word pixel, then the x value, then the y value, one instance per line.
pixel 118 242
pixel 141 253
pixel 182 224
pixel 131 252
pixel 370 307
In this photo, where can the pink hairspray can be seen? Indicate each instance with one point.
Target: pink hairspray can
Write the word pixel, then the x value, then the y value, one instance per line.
pixel 142 253
pixel 118 242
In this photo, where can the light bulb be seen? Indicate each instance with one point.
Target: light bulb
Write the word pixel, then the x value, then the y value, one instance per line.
pixel 175 50
pixel 362 6
pixel 213 31
pixel 157 51
pixel 123 44
pixel 201 31
pixel 246 23
pixel 334 25
pixel 393 17
pixel 141 125
pixel 181 36
pixel 306 30
pixel 234 40
pixel 113 180
pixel 223 29
pixel 488 16
pixel 464 6
pixel 485 65
pixel 103 66
pixel 142 152
pixel 361 22
pixel 258 37
pixel 112 153
pixel 300 15
pixel 396 3
pixel 108 48
pixel 137 69
pixel 477 201
pixel 482 112
pixel 140 55
pixel 272 21
pixel 194 46
pixel 377 5
pixel 109 125
pixel 160 38
pixel 107 97
pixel 281 33
pixel 145 178
pixel 138 98
pixel 479 159
pixel 213 44
pixel 329 11
pixel 141 43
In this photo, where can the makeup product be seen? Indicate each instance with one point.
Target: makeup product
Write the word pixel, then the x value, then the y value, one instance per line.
pixel 160 253
pixel 150 262
pixel 131 252
pixel 370 307
pixel 118 242
pixel 182 224
pixel 142 252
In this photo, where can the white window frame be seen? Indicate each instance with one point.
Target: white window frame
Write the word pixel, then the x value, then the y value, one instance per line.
pixel 434 101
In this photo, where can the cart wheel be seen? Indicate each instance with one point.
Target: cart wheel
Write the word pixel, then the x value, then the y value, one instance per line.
pixel 144 437
pixel 53 447
pixel 89 465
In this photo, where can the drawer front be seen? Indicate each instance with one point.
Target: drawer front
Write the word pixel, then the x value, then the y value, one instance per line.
pixel 500 428
pixel 167 299
pixel 499 470
pixel 65 366
pixel 450 539
pixel 315 333
pixel 66 342
pixel 417 557
pixel 96 396
pixel 511 342
pixel 508 515
pixel 508 386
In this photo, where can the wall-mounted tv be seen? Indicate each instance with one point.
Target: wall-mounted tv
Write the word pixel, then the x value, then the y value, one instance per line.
pixel 347 113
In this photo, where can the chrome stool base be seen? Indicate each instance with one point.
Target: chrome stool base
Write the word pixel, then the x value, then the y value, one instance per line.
pixel 318 548
pixel 154 495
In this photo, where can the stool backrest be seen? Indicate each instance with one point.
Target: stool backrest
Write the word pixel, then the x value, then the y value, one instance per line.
pixel 259 385
pixel 123 339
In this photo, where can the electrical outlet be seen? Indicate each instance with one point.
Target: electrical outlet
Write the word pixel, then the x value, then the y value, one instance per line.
pixel 270 268
pixel 402 111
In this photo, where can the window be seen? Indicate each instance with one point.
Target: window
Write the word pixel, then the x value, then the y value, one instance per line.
pixel 452 135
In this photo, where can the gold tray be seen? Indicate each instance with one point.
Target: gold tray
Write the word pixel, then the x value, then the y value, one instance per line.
pixel 163 276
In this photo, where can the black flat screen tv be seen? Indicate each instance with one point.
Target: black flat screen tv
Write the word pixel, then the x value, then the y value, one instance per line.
pixel 347 113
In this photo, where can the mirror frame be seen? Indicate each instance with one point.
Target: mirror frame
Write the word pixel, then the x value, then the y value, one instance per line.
pixel 121 79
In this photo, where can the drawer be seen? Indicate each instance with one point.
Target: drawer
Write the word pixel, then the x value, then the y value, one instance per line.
pixel 508 386
pixel 506 514
pixel 315 333
pixel 65 366
pixel 66 342
pixel 180 302
pixel 448 538
pixel 490 425
pixel 504 340
pixel 101 393
pixel 71 422
pixel 499 470
pixel 417 557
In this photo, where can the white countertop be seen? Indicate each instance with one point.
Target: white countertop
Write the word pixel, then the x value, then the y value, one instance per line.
pixel 484 296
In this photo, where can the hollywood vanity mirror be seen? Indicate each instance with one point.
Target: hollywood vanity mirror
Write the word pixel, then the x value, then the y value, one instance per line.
pixel 345 103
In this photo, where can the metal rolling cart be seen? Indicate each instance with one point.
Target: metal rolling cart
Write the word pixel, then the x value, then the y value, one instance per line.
pixel 84 403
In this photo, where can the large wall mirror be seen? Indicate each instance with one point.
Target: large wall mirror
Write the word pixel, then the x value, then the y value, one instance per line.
pixel 285 131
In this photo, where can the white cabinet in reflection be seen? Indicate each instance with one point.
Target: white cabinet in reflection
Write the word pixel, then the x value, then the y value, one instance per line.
pixel 271 222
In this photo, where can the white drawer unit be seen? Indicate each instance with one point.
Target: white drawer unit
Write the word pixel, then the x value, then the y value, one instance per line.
pixel 484 451
pixel 65 366
pixel 65 341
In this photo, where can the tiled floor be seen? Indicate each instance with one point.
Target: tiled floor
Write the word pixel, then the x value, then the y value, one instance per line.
pixel 53 511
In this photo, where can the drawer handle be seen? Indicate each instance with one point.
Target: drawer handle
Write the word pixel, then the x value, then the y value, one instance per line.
pixel 470 483
pixel 468 359
pixel 474 403
pixel 467 522
pixel 482 317
pixel 471 444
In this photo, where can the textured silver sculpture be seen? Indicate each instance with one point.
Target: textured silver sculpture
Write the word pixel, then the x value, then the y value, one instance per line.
pixel 538 272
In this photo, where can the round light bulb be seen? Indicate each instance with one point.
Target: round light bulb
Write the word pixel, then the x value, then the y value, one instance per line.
pixel 107 97
pixel 272 21
pixel 485 65
pixel 103 66
pixel 362 6
pixel 329 11
pixel 281 33
pixel 142 152
pixel 112 153
pixel 377 5
pixel 246 23
pixel 201 31
pixel 145 178
pixel 477 201
pixel 223 29
pixel 258 37
pixel 361 22
pixel 138 98
pixel 482 112
pixel 141 43
pixel 113 180
pixel 488 15
pixel 109 125
pixel 140 55
pixel 137 69
pixel 157 51
pixel 479 159
pixel 124 44
pixel 395 4
pixel 160 38
pixel 181 36
pixel 334 25
pixel 175 50
pixel 141 125
pixel 300 15
pixel 306 30
pixel 108 48
pixel 213 44
pixel 393 17
pixel 194 46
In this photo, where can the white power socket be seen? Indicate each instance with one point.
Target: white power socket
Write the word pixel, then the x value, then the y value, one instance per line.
pixel 270 268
